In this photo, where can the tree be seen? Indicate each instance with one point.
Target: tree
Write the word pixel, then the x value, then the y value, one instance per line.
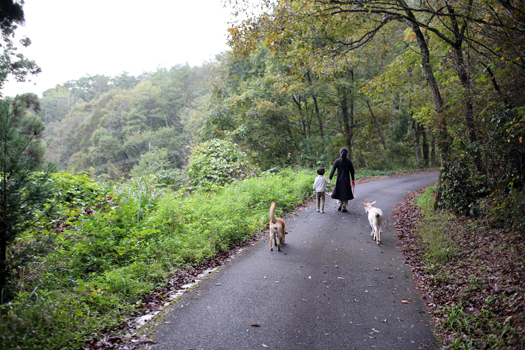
pixel 151 163
pixel 11 62
pixel 22 194
pixel 470 54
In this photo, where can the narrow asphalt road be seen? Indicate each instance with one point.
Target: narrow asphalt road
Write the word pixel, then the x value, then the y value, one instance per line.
pixel 331 287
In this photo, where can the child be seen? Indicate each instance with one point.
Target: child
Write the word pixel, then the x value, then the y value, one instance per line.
pixel 320 189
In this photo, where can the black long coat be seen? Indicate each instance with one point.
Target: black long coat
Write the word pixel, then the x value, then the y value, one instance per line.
pixel 345 169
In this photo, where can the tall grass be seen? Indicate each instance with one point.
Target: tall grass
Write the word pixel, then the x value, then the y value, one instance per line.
pixel 104 264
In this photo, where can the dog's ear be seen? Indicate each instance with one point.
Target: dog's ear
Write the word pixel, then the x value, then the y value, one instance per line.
pixel 374 202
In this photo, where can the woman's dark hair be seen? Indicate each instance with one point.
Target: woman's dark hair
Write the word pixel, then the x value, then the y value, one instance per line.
pixel 343 152
pixel 320 171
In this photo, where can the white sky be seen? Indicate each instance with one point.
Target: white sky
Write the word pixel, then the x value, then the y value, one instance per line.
pixel 73 38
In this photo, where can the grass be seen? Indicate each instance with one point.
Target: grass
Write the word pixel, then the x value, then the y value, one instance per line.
pixel 438 245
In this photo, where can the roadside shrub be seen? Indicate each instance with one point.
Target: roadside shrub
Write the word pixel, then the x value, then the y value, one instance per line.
pixel 486 178
pixel 217 163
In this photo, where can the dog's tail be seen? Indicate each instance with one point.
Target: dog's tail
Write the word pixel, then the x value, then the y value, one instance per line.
pixel 272 213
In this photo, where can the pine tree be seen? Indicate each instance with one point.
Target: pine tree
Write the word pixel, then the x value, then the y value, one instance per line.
pixel 22 194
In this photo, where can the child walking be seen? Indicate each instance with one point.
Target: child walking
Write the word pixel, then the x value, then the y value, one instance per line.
pixel 320 189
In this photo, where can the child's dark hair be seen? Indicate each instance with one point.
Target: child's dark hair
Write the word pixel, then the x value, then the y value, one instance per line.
pixel 320 171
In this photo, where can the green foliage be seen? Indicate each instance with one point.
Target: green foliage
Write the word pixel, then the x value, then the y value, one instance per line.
pixel 475 331
pixel 40 314
pixel 217 163
pixel 175 179
pixel 108 123
pixel 151 163
pixel 22 196
pixel 77 191
pixel 498 192
pixel 104 262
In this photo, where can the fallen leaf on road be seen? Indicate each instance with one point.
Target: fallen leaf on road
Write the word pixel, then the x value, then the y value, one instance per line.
pixel 405 301
pixel 324 282
pixel 341 278
pixel 255 325
pixel 264 345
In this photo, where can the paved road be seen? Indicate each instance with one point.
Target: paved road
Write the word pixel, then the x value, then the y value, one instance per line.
pixel 331 287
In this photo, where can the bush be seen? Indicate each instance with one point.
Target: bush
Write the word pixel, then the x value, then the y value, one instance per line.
pixel 217 163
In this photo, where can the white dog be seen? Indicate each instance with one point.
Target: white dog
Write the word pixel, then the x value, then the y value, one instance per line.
pixel 375 217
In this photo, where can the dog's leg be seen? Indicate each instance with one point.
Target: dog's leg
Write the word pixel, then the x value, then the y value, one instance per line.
pixel 271 238
pixel 379 227
pixel 277 241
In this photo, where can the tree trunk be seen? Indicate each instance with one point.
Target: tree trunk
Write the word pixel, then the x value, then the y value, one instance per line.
pixel 415 135
pixel 423 132
pixel 319 120
pixel 347 117
pixel 427 67
pixel 3 260
pixel 443 137
pixel 433 151
pixel 464 78
pixel 297 102
pixel 316 107
pixel 376 123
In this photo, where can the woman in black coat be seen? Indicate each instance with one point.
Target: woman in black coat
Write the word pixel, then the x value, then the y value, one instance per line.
pixel 343 187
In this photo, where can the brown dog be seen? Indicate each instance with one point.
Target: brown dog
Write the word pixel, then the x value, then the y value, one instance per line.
pixel 277 229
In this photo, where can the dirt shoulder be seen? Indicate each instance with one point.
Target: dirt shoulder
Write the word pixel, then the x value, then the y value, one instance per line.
pixel 476 293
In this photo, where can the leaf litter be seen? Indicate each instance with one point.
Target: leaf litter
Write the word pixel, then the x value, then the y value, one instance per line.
pixel 485 281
